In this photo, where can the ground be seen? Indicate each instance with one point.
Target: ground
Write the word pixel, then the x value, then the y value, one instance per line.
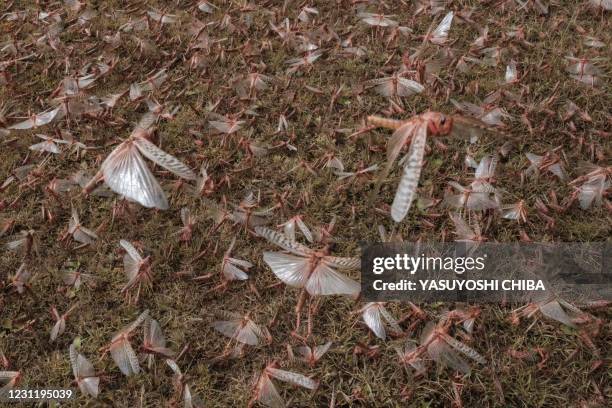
pixel 324 104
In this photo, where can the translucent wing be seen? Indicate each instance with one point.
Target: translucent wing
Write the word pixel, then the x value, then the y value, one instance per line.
pixel 38 120
pixel 407 87
pixel 46 146
pixel 319 351
pixel 486 167
pixel 292 270
pixel 394 146
pixel 406 190
pixel 249 334
pixel 439 351
pixel 58 329
pixel 153 334
pixel 84 372
pixel 463 231
pixel 480 201
pixel 84 235
pixel 282 241
pixel 440 34
pixel 226 327
pixel 231 272
pixel 132 326
pixel 293 378
pixel 81 367
pixel 268 395
pixel 464 349
pixel 511 73
pixel 390 320
pixel 124 356
pixel 90 386
pixel 174 367
pixel 325 281
pixel 131 251
pixel 167 161
pixel 468 128
pixel 126 173
pixel 372 318
pixel 553 310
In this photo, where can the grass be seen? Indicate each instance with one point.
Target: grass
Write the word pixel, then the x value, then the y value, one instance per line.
pixel 569 377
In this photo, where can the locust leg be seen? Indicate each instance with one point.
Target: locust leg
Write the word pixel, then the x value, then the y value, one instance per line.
pixel 92 183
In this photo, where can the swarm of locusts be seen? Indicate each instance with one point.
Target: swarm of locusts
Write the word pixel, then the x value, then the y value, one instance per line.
pixel 184 186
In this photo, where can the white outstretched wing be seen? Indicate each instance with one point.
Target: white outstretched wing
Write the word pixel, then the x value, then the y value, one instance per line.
pixel 126 173
pixel 291 269
pixel 325 281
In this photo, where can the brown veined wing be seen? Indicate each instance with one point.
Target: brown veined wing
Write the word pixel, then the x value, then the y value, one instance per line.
pixel 406 190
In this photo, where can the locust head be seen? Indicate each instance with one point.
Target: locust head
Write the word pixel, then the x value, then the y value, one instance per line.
pixel 439 124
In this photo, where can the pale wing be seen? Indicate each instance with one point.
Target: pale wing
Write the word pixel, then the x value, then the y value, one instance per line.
pixel 292 270
pixel 480 201
pixel 289 229
pixel 440 34
pixel 131 251
pixel 305 230
pixel 85 368
pixel 282 241
pixel 406 190
pixel 394 146
pixel 553 310
pixel 390 320
pixel 227 328
pixel 58 329
pixel 125 358
pixel 167 161
pixel 46 146
pixel 248 334
pixel 38 120
pixel 83 237
pixel 74 360
pixel 325 281
pixel 240 262
pixel 342 262
pixel 439 351
pixel 464 349
pixel 126 173
pixel 408 87
pixel 231 272
pixel 154 335
pixel 463 231
pixel 174 367
pixel 486 167
pixel 319 351
pixel 90 386
pixel 268 395
pixel 141 318
pixel 371 317
pixel 293 378
pixel 386 88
